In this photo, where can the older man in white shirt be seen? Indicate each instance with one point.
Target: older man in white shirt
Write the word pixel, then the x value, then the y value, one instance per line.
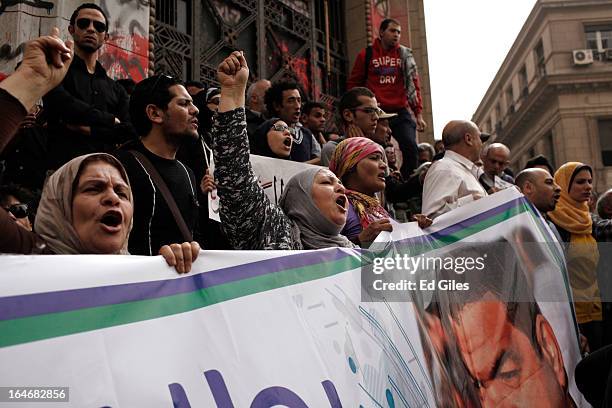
pixel 453 181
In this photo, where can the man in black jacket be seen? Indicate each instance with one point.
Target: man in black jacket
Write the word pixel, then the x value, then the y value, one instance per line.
pixel 88 112
pixel 164 116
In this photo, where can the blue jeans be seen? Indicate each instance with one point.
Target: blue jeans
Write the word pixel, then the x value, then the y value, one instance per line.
pixel 404 131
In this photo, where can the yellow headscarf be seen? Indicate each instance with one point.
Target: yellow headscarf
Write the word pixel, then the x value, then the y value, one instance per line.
pixel 569 214
pixel 582 255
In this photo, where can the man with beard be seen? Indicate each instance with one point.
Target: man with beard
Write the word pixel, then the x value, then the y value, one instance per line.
pixel 164 116
pixel 88 112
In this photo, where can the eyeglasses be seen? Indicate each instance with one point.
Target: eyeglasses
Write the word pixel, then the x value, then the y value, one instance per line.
pixel 369 111
pixel 84 23
pixel 18 210
pixel 282 128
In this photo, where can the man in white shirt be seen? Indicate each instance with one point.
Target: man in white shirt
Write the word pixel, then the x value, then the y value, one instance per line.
pixel 453 181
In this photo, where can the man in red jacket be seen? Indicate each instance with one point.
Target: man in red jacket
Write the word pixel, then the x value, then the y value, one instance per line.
pixel 389 70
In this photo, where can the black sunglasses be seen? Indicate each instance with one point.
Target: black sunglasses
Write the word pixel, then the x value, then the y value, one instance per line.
pixel 18 210
pixel 160 76
pixel 84 23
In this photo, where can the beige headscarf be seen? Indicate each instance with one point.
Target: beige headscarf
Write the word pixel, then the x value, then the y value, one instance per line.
pixel 54 216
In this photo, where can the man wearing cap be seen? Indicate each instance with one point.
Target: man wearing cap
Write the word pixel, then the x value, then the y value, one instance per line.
pixel 453 181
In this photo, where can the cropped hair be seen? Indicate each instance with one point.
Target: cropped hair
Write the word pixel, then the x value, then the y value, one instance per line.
pixel 350 99
pixel 88 6
pixel 309 106
pixel 154 90
pixel 385 23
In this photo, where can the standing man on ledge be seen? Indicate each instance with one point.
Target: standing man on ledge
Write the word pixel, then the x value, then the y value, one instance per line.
pixel 389 70
pixel 88 112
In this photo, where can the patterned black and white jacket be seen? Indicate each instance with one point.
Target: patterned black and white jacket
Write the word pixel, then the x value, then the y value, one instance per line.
pixel 248 217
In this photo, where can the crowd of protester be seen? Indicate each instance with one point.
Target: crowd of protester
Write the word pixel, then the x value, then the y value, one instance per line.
pixel 92 165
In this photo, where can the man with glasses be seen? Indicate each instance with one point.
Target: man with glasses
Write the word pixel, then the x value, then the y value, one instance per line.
pixel 88 112
pixel 495 158
pixel 358 115
pixel 12 200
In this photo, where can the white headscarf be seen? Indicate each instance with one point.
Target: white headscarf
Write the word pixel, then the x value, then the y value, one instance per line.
pixel 54 216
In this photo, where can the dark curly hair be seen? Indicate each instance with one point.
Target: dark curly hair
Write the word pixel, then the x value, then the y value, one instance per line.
pixel 274 95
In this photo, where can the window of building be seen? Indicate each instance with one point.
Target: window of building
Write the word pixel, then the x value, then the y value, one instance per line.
pixel 548 149
pixel 539 59
pixel 599 37
pixel 605 140
pixel 523 84
pixel 510 99
pixel 498 118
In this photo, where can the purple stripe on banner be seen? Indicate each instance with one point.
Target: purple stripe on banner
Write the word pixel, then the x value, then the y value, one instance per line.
pixel 13 307
pixel 468 222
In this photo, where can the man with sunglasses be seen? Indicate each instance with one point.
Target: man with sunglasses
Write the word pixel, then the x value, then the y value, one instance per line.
pixel 88 112
pixel 12 200
pixel 358 115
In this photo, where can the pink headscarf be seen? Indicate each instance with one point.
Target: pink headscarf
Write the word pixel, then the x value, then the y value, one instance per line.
pixel 351 151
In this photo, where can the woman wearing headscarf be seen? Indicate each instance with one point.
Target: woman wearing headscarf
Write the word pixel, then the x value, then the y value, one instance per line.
pixel 572 218
pixel 272 139
pixel 359 163
pixel 86 208
pixel 312 207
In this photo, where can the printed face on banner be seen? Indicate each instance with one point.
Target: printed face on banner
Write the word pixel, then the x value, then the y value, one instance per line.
pixel 493 346
pixel 507 366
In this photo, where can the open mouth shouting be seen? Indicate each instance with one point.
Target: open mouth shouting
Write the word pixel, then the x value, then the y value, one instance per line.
pixel 341 202
pixel 288 142
pixel 112 221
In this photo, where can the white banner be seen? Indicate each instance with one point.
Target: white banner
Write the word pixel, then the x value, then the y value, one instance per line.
pixel 273 174
pixel 245 329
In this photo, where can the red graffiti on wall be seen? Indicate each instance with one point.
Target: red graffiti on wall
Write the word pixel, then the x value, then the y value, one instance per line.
pixel 126 57
pixel 379 11
pixel 297 65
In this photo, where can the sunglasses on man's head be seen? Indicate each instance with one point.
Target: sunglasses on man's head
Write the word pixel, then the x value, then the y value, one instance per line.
pixel 160 76
pixel 84 23
pixel 18 210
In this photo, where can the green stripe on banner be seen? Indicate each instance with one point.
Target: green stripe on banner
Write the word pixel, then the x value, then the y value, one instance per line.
pixel 51 325
pixel 47 326
pixel 464 233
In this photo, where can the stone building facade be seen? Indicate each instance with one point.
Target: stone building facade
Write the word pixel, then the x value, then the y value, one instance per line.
pixel 553 93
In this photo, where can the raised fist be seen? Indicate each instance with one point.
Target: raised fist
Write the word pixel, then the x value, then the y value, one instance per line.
pixel 233 72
